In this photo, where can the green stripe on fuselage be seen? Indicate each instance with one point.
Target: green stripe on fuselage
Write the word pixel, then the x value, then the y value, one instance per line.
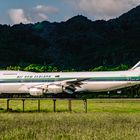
pixel 136 78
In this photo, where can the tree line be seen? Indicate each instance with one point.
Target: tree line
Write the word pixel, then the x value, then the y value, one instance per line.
pixel 52 68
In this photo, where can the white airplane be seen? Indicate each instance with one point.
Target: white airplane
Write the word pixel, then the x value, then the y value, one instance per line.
pixel 37 84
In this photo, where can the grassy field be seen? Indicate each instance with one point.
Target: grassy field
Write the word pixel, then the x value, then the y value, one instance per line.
pixel 107 119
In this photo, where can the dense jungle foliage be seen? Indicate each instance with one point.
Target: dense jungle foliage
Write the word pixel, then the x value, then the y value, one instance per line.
pixel 78 43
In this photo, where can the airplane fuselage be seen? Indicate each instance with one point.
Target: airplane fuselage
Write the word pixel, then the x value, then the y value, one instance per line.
pixel 57 82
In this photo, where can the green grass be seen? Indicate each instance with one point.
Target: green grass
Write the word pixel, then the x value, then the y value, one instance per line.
pixel 107 119
pixel 95 105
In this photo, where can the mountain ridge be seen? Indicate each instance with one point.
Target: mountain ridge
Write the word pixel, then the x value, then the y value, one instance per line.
pixel 78 43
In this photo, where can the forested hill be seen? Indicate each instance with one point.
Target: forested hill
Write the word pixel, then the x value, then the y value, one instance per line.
pixel 78 43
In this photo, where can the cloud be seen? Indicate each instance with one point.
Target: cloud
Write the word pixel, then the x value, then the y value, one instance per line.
pixel 42 11
pixel 35 14
pixel 42 16
pixel 93 9
pixel 45 9
pixel 104 8
pixel 18 16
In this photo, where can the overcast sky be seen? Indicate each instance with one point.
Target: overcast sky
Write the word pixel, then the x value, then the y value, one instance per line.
pixel 31 11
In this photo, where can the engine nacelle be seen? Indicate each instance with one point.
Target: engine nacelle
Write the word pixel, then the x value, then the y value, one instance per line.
pixel 55 89
pixel 52 89
pixel 36 91
pixel 68 90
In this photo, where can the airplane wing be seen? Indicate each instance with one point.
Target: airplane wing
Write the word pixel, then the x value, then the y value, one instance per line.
pixel 68 86
pixel 75 82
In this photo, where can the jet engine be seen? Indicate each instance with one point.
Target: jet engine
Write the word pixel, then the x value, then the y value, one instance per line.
pixel 69 90
pixel 55 89
pixel 36 91
pixel 51 89
pixel 60 89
